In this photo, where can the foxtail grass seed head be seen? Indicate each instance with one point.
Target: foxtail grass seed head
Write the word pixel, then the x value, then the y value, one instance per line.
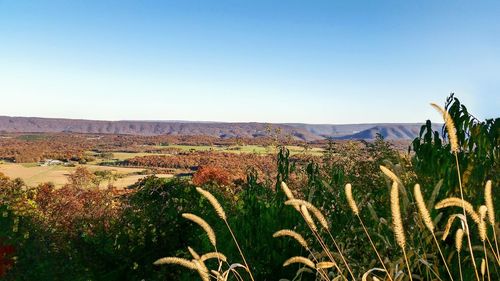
pixel 389 174
pixel 325 265
pixel 483 267
pixel 308 218
pixel 292 234
pixel 289 194
pixel 202 270
pixel 315 211
pixel 450 127
pixel 193 253
pixel 287 191
pixel 489 203
pixel 482 223
pixel 397 222
pixel 217 206
pixel 350 199
pixel 204 225
pixel 213 255
pixel 449 223
pixel 177 261
pixel 459 237
pixel 298 259
pixel 217 274
pixel 422 209
pixel 457 202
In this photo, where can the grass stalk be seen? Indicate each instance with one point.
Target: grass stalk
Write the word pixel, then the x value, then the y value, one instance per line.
pixel 465 216
pixel 407 264
pixel 239 250
pixel 375 248
pixel 341 255
pixel 442 256
pixel 486 260
pixel 460 267
pixel 497 258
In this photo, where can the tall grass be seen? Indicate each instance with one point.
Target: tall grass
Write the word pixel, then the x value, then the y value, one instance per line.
pixel 325 257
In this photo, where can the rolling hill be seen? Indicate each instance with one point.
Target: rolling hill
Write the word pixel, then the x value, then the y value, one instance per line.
pixel 308 132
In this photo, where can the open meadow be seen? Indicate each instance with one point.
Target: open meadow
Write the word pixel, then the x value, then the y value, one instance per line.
pixel 33 174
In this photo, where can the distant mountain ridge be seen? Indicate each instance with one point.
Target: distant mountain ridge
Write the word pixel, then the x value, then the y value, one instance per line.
pixel 307 132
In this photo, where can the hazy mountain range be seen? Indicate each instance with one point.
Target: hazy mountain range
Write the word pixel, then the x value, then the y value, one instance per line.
pixel 308 132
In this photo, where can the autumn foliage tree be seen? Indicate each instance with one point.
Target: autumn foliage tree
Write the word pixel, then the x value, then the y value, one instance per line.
pixel 210 174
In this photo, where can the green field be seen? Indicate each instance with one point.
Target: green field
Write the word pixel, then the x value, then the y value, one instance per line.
pixel 258 149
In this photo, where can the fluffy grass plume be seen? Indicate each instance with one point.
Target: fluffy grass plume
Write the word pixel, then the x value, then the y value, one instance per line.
pixel 449 223
pixel 193 253
pixel 307 217
pixel 325 265
pixel 178 261
pixel 217 206
pixel 202 270
pixel 213 255
pixel 489 203
pixel 482 223
pixel 203 224
pixel 483 267
pixel 397 222
pixel 422 209
pixel 390 174
pixel 457 202
pixel 315 211
pixel 459 237
pixel 350 199
pixel 292 234
pixel 298 259
pixel 450 127
pixel 287 191
pixel 289 194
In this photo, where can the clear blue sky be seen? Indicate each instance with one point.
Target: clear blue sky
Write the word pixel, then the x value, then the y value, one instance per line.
pixel 275 61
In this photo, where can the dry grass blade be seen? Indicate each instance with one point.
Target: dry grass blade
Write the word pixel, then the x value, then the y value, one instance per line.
pixel 203 224
pixel 215 203
pixel 369 272
pixel 292 234
pixel 315 211
pixel 177 261
pixel 298 259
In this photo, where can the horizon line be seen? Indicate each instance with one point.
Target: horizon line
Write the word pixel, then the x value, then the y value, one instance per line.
pixel 215 122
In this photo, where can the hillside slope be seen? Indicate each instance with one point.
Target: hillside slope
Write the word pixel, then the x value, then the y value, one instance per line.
pixel 306 132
